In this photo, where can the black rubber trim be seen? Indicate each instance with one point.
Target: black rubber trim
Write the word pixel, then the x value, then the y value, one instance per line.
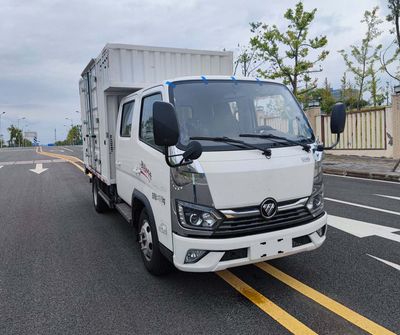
pixel 140 196
pixel 168 254
pixel 234 254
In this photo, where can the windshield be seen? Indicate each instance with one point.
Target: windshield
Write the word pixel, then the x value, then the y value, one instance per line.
pixel 233 107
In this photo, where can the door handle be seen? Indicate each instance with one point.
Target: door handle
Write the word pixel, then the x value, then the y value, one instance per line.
pixel 118 163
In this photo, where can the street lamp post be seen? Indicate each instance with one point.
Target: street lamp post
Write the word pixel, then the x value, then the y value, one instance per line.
pixel 1 134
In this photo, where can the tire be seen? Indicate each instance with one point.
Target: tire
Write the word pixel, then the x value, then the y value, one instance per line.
pixel 152 258
pixel 98 202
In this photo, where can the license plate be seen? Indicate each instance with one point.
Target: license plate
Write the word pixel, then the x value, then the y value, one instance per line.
pixel 270 248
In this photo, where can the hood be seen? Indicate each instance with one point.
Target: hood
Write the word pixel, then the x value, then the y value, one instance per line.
pixel 243 178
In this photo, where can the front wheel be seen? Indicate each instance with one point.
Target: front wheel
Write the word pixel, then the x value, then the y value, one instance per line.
pixel 152 258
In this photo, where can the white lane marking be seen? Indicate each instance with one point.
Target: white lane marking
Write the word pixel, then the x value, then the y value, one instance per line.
pixel 366 179
pixel 23 162
pixel 38 169
pixel 38 161
pixel 363 206
pixel 388 196
pixel 68 149
pixel 393 265
pixel 363 229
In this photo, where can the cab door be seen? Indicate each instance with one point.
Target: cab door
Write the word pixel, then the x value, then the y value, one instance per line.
pixel 124 151
pixel 152 173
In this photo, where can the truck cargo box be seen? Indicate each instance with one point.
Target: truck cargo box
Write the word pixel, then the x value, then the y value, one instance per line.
pixel 121 69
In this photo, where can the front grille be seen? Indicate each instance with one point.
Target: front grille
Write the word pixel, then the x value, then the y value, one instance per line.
pixel 257 224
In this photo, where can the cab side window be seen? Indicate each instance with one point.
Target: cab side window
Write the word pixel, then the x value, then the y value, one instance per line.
pixel 146 120
pixel 126 119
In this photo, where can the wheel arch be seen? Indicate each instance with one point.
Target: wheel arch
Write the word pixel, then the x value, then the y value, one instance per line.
pixel 140 201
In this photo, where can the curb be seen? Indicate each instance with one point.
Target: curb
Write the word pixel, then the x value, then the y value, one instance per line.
pixel 362 174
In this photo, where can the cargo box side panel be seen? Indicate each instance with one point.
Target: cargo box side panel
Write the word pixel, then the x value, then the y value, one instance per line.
pixel 133 67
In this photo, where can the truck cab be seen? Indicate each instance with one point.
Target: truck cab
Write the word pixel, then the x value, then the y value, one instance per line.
pixel 236 204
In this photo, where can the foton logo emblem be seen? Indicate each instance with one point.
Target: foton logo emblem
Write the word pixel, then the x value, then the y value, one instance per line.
pixel 268 208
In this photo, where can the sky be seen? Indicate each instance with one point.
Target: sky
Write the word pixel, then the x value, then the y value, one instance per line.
pixel 45 44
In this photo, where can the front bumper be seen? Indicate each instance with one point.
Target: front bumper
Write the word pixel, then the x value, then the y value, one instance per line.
pixel 260 247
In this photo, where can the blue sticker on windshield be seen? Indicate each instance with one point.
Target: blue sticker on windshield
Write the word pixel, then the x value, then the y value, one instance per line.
pixel 204 79
pixel 234 79
pixel 170 83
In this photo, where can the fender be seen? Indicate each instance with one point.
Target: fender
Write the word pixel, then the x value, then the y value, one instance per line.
pixel 137 195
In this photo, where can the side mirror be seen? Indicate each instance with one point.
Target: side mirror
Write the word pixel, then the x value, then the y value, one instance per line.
pixel 338 118
pixel 165 124
pixel 338 122
pixel 193 151
pixel 166 134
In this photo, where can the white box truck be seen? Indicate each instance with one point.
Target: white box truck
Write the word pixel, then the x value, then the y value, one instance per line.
pixel 213 171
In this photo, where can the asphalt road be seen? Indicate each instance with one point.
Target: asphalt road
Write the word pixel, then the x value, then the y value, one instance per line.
pixel 64 269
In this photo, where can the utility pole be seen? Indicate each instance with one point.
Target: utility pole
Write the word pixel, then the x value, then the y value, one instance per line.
pixel 1 134
pixel 55 135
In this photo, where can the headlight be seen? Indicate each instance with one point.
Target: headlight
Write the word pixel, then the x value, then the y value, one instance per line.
pixel 197 217
pixel 315 203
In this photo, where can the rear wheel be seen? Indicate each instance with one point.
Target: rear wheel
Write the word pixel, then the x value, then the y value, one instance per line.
pixel 152 258
pixel 99 204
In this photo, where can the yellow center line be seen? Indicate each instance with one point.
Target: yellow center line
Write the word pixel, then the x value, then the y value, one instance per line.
pixel 70 159
pixel 335 307
pixel 266 305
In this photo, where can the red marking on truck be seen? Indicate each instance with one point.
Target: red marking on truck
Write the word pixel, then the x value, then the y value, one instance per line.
pixel 144 171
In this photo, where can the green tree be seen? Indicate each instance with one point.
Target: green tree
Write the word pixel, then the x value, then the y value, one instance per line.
pixel 360 58
pixel 377 97
pixel 60 143
pixel 343 87
pixel 246 61
pixel 324 96
pixel 74 135
pixel 16 137
pixel 287 54
pixel 26 143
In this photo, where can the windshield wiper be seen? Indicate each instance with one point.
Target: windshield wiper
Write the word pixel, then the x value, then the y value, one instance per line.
pixel 306 147
pixel 232 141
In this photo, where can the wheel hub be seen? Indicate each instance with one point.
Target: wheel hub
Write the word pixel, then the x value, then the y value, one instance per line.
pixel 146 240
